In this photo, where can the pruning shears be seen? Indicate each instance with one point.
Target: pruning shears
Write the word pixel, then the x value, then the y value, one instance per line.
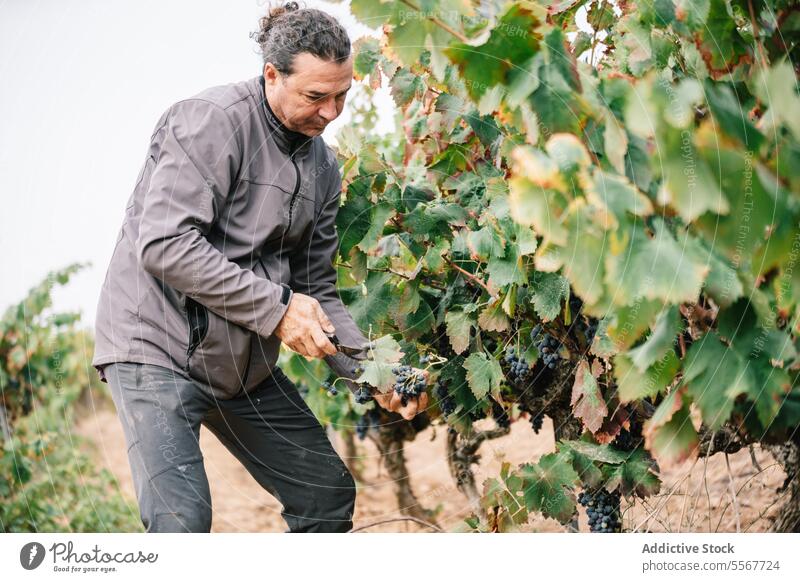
pixel 360 353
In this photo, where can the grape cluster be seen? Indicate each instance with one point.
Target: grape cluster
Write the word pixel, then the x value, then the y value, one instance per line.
pixel 537 420
pixel 409 382
pixel 587 327
pixel 602 508
pixel 627 440
pixel 365 421
pixel 477 413
pixel 330 388
pixel 590 330
pixel 548 348
pixel 500 415
pixel 446 402
pixel 363 395
pixel 518 368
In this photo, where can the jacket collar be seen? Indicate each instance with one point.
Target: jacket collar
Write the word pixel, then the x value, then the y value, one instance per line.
pixel 288 141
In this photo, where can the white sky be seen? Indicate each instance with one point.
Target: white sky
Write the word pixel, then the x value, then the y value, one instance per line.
pixel 83 84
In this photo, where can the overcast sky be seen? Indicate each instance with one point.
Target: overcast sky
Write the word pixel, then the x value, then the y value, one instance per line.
pixel 83 84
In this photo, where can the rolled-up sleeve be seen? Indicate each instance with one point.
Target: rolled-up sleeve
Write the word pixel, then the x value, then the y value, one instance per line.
pixel 314 274
pixel 196 168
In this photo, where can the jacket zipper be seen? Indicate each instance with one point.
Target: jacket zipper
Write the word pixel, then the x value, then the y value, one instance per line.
pixel 243 389
pixel 198 322
pixel 294 194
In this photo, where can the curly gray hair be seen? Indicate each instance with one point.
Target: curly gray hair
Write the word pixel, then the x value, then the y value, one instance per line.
pixel 289 30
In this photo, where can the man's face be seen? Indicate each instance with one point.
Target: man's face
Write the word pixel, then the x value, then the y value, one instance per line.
pixel 312 96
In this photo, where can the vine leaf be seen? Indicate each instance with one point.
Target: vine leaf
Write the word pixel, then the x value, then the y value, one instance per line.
pixel 459 325
pixel 503 492
pixel 384 356
pixel 549 290
pixel 493 318
pixel 602 345
pixel 483 374
pixel 634 385
pixel 715 375
pixel 548 484
pixel 669 434
pixel 634 476
pixel 587 399
pixel 633 472
pixel 511 42
pixel 655 268
pixel 613 423
pixel 668 325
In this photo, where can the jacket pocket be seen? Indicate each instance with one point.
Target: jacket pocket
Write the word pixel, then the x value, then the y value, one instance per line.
pixel 218 351
pixel 264 350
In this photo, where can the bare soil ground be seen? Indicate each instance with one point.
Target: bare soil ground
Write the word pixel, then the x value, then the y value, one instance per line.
pixel 695 497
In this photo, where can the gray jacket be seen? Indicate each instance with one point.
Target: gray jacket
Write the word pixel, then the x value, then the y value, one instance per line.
pixel 230 211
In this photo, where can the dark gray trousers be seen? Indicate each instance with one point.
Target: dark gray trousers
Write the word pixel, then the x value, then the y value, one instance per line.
pixel 271 431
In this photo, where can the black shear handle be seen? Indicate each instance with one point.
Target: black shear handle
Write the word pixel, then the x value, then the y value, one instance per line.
pixel 348 350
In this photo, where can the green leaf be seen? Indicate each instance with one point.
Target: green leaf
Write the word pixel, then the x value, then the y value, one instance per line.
pixel 568 152
pixel 382 358
pixel 715 375
pixel 486 243
pixel 547 486
pixel 524 239
pixel 653 268
pixel 379 214
pixel 720 41
pixel 615 142
pixel 769 389
pixel 615 194
pixel 777 87
pixel 418 322
pixel 508 269
pixel 353 220
pixel 549 289
pixel 602 346
pixel 459 325
pixel 722 282
pixel 635 385
pixel 634 476
pixel 731 115
pixel 502 493
pixel 581 259
pixel 373 13
pixel 756 205
pixel 483 374
pixel 626 324
pixel 690 184
pixel 370 308
pixel 433 220
pixel 484 127
pixel 511 42
pixel 667 327
pixel 669 434
pixel 368 55
pixel 405 87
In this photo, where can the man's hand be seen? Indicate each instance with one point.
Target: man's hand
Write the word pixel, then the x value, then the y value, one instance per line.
pixel 391 401
pixel 303 327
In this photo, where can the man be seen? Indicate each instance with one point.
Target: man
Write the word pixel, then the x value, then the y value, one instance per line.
pixel 226 252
